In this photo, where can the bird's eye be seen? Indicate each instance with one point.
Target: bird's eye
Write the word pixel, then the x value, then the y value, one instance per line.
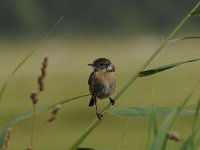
pixel 101 64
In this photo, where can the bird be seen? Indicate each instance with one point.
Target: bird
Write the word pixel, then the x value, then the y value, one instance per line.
pixel 102 82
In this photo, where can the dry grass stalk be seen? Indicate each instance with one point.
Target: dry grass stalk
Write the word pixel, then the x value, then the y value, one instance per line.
pixel 35 97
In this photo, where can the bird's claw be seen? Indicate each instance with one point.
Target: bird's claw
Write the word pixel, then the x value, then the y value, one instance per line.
pixel 112 101
pixel 99 116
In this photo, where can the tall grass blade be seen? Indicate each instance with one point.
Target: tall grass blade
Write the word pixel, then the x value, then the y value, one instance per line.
pixel 29 114
pixel 165 67
pixel 86 149
pixel 87 131
pixel 160 140
pixel 184 38
pixel 195 13
pixel 146 112
pixel 94 149
pixel 154 120
pixel 124 131
pixel 152 126
pixel 187 143
pixel 28 56
pixel 196 115
pixel 196 139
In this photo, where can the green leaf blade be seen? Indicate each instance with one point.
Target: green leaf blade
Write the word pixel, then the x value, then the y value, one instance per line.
pixel 195 13
pixel 146 111
pixel 163 68
pixel 28 114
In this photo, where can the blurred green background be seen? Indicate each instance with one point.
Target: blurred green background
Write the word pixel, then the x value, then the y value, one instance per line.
pixel 126 32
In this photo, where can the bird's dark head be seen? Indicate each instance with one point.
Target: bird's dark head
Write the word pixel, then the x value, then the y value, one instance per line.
pixel 102 64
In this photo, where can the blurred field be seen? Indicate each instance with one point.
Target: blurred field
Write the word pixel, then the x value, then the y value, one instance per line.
pixel 67 77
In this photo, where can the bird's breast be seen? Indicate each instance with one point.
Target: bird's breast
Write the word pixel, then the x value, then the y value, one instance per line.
pixel 102 84
pixel 106 78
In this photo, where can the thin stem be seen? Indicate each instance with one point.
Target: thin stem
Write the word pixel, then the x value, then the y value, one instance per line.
pixel 132 79
pixel 33 125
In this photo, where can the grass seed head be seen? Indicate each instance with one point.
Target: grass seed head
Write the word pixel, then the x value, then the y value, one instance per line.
pixel 29 148
pixel 7 139
pixel 54 113
pixel 34 98
pixel 173 135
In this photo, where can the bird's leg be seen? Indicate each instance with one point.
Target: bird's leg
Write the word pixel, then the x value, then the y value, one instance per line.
pixel 99 116
pixel 112 101
pixel 92 100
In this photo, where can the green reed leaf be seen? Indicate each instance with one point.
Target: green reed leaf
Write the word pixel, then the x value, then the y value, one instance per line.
pixel 146 112
pixel 94 149
pixel 86 149
pixel 28 114
pixel 165 67
pixel 196 115
pixel 160 140
pixel 183 38
pixel 187 143
pixel 195 13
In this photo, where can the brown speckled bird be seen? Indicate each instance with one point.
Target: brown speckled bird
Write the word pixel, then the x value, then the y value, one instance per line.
pixel 102 82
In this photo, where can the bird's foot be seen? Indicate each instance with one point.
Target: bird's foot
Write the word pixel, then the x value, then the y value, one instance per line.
pixel 112 101
pixel 99 116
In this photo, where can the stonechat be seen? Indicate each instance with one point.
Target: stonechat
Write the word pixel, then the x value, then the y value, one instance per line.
pixel 102 82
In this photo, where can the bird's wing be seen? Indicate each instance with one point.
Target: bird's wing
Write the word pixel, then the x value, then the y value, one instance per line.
pixel 90 78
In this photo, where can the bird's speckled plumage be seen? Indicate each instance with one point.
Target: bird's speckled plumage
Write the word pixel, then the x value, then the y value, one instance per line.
pixel 102 83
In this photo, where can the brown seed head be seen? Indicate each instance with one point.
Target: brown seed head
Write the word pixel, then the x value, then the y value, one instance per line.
pixel 54 113
pixel 29 148
pixel 41 83
pixel 173 135
pixel 7 139
pixel 34 98
pixel 45 62
pixel 52 118
pixel 43 71
pixel 56 109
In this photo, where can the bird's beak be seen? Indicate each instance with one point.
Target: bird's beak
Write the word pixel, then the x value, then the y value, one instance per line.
pixel 90 64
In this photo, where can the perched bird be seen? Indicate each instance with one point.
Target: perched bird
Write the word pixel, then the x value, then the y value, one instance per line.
pixel 102 82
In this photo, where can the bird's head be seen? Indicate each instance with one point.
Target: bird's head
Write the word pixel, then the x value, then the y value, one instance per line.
pixel 102 64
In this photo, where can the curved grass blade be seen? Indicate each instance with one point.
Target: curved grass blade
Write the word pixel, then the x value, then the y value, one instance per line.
pixel 165 67
pixel 184 38
pixel 196 115
pixel 154 120
pixel 160 140
pixel 152 126
pixel 196 139
pixel 124 131
pixel 146 112
pixel 29 114
pixel 86 149
pixel 189 140
pixel 86 133
pixel 94 149
pixel 28 56
pixel 195 13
